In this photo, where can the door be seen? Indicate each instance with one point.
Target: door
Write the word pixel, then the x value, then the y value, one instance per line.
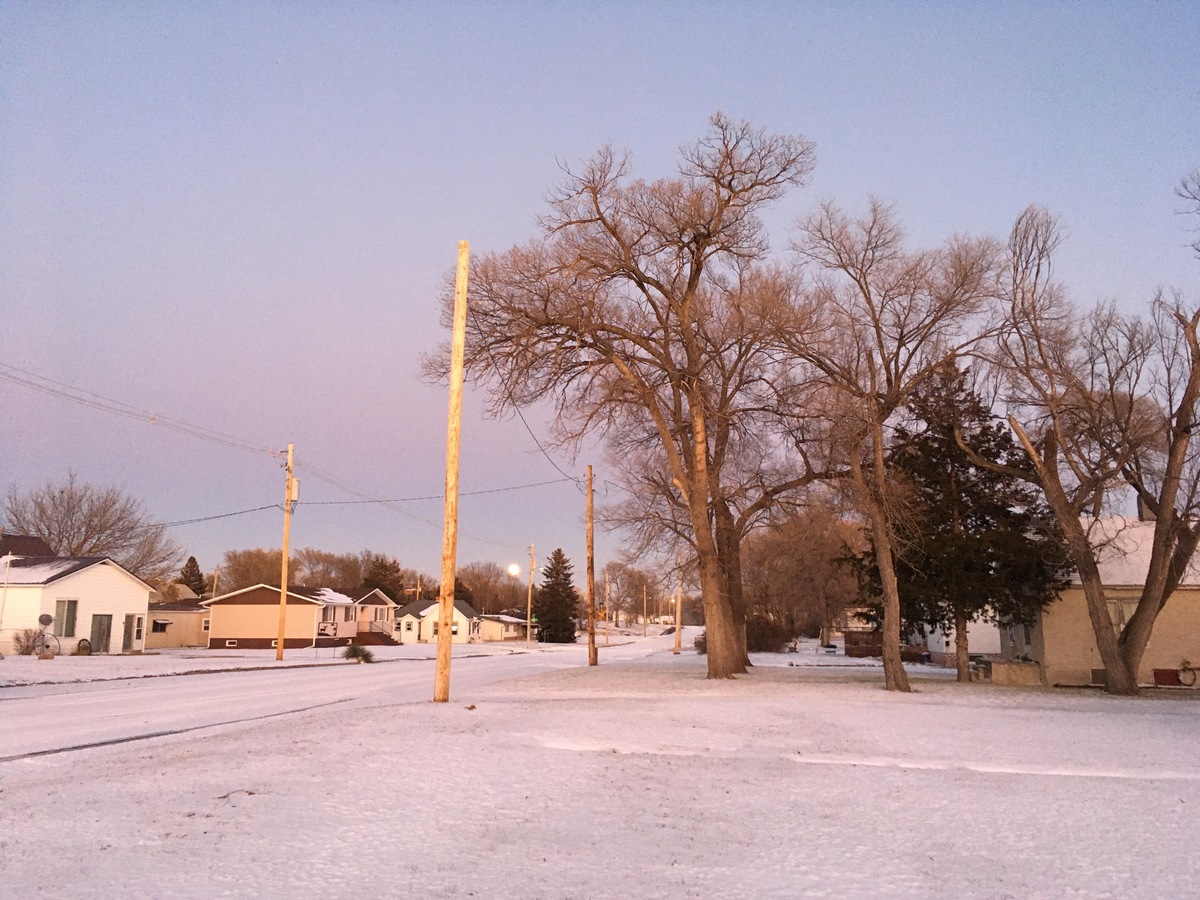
pixel 101 633
pixel 127 636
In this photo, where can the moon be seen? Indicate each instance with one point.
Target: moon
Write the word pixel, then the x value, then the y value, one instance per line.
pixel 514 570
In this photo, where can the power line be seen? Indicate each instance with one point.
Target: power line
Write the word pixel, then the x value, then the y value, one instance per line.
pixel 92 400
pixel 516 487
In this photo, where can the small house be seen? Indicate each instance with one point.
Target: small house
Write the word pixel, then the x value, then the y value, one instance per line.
pixel 95 605
pixel 418 622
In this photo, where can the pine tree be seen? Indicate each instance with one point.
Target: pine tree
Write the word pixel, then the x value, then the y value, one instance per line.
pixel 191 576
pixel 383 573
pixel 556 600
pixel 984 548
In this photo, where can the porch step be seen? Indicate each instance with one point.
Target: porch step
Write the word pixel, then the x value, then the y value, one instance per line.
pixel 375 639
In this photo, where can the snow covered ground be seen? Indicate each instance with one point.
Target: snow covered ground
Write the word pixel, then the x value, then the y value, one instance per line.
pixel 544 778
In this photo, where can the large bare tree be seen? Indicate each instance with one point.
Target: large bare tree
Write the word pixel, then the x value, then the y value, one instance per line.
pixel 1105 403
pixel 78 519
pixel 633 296
pixel 880 321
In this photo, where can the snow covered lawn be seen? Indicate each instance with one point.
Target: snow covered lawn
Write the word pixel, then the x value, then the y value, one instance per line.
pixel 634 779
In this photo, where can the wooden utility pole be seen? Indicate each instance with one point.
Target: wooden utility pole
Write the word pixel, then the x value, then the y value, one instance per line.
pixel 529 602
pixel 679 609
pixel 291 494
pixel 593 657
pixel 441 686
pixel 643 610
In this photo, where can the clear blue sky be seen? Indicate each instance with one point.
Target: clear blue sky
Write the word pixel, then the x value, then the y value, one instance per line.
pixel 241 214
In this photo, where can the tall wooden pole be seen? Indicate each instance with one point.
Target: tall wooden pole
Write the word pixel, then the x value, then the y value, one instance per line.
pixel 441 686
pixel 593 657
pixel 607 626
pixel 529 602
pixel 288 497
pixel 679 610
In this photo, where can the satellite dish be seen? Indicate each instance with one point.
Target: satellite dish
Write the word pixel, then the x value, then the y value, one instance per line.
pixel 45 619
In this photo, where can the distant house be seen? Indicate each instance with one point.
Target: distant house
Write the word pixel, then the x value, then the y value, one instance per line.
pixel 1061 641
pixel 376 618
pixel 90 599
pixel 502 628
pixel 418 623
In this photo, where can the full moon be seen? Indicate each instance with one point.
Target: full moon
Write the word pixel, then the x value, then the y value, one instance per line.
pixel 514 570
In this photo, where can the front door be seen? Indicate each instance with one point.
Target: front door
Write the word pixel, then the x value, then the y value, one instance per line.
pixel 127 636
pixel 101 633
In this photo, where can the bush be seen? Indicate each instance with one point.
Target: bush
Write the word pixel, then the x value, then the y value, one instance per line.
pixel 766 636
pixel 359 653
pixel 23 641
pixel 762 636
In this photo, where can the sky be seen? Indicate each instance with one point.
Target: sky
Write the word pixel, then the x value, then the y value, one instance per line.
pixel 243 216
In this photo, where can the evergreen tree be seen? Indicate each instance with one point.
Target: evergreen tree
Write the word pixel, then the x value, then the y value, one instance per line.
pixel 984 547
pixel 556 600
pixel 191 576
pixel 383 573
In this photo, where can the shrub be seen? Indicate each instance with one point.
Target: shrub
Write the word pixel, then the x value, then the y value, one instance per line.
pixel 701 643
pixel 359 653
pixel 766 636
pixel 23 641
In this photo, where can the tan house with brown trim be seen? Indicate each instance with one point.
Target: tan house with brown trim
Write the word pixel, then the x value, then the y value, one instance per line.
pixel 248 619
pixel 1062 643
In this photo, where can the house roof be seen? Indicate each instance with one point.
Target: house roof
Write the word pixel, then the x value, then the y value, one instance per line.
pixel 319 596
pixel 178 606
pixel 24 545
pixel 39 570
pixel 1123 547
pixel 420 608
pixel 507 620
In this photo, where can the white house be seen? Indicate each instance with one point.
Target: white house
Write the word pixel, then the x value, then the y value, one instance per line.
pixel 90 599
pixel 418 623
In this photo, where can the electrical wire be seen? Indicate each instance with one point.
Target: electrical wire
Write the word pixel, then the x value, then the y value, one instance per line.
pixel 97 401
pixel 515 487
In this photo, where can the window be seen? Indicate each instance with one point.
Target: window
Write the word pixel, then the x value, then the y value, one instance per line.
pixel 204 624
pixel 454 628
pixel 138 626
pixel 231 643
pixel 348 614
pixel 408 625
pixel 64 617
pixel 159 626
pixel 328 613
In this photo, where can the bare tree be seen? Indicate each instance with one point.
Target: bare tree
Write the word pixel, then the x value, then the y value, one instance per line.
pixel 492 588
pixel 617 315
pixel 1102 403
pixel 1189 192
pixel 881 320
pixel 796 572
pixel 78 519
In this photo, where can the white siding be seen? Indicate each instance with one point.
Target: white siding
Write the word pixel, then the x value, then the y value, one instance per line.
pixel 100 590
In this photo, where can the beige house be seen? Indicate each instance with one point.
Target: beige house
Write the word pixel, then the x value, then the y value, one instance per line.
pixel 376 613
pixel 249 619
pixel 92 601
pixel 183 623
pixel 502 628
pixel 1061 642
pixel 417 623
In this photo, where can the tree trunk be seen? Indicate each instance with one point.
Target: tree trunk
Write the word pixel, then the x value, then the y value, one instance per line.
pixel 873 494
pixel 729 552
pixel 962 656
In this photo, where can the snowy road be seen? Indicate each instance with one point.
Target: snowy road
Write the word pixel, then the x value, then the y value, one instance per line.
pixel 49 718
